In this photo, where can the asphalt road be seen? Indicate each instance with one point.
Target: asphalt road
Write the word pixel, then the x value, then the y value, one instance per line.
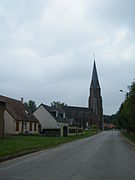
pixel 104 156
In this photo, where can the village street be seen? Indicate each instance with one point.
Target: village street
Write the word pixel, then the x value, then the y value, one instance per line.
pixel 103 156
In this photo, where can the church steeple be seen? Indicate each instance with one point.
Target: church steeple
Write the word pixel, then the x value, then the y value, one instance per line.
pixel 95 86
pixel 94 81
pixel 95 99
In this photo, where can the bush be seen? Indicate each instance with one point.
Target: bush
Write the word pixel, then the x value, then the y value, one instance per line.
pixel 94 126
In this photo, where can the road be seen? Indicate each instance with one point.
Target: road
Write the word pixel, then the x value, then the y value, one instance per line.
pixel 104 156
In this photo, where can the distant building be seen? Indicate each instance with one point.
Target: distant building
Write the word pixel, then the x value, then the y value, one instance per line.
pixel 108 126
pixel 15 118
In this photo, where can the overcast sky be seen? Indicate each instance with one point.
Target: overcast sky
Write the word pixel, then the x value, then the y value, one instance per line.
pixel 47 46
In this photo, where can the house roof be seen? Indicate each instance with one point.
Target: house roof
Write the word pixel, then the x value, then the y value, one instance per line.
pixel 2 102
pixel 59 119
pixel 73 122
pixel 17 110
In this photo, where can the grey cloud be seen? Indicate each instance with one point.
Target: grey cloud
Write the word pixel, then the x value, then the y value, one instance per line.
pixel 118 12
pixel 46 49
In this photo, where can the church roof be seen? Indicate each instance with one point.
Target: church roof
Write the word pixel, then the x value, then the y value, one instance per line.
pixel 94 81
pixel 79 111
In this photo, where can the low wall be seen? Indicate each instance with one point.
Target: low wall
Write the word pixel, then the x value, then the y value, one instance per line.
pixel 79 131
pixel 74 131
pixel 51 132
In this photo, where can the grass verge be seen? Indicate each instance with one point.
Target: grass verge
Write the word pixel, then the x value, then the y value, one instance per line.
pixel 131 138
pixel 10 146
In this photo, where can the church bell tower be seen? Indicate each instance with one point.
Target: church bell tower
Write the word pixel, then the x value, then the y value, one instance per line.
pixel 95 99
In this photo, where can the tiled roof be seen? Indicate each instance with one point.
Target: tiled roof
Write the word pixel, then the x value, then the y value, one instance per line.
pixel 17 110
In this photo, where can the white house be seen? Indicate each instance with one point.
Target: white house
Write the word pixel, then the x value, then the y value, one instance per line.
pixel 51 118
pixel 17 119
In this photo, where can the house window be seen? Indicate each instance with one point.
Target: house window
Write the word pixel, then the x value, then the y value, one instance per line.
pixel 17 125
pixel 30 126
pixel 35 127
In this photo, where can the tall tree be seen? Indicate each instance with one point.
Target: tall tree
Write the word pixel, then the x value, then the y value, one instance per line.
pixel 126 114
pixel 31 105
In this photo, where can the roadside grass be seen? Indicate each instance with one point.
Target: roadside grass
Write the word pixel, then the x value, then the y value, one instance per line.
pixel 131 138
pixel 24 144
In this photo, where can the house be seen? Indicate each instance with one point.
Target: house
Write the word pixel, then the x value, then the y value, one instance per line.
pixel 53 122
pixel 108 126
pixel 17 119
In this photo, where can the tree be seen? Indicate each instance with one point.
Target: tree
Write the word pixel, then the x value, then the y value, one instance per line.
pixel 57 104
pixel 126 113
pixel 121 116
pixel 31 105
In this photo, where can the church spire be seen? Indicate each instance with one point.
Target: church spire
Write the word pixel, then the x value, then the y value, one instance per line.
pixel 94 81
pixel 95 99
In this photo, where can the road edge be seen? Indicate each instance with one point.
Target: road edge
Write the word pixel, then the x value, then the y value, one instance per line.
pixel 127 140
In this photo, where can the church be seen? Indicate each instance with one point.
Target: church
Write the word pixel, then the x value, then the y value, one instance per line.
pixel 93 114
pixel 80 117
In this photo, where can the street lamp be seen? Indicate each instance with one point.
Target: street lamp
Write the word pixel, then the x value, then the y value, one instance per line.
pixel 123 91
pixel 127 93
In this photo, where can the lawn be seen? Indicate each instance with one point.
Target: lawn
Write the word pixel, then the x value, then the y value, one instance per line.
pixel 24 144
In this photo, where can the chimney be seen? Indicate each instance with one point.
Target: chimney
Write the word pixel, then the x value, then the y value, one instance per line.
pixel 21 99
pixel 57 113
